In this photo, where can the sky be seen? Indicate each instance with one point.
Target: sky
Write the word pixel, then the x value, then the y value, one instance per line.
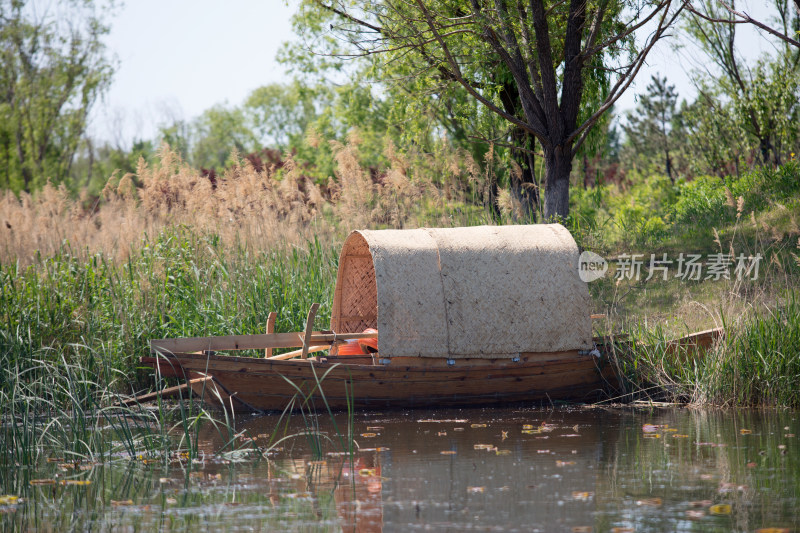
pixel 177 58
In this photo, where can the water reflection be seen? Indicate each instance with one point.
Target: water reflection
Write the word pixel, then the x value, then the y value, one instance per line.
pixel 589 469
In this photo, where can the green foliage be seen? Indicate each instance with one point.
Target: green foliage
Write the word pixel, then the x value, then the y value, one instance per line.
pixel 651 211
pixel 649 128
pixel 52 70
pixel 711 200
pixel 177 285
pixel 757 100
pixel 756 363
pixel 218 131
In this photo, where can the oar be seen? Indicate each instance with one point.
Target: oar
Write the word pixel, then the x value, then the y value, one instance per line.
pixel 164 393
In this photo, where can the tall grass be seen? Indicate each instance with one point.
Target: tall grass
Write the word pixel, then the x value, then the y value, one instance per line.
pixel 755 363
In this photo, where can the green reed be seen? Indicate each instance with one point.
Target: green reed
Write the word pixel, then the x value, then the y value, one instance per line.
pixel 756 362
pixel 73 327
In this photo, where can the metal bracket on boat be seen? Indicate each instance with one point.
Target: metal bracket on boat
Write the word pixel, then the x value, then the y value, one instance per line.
pixel 451 362
pixel 385 361
pixel 594 351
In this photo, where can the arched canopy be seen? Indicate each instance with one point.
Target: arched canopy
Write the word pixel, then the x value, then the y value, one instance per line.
pixel 486 291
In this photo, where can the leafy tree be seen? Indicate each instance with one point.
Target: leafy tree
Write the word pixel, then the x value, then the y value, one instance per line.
pixel 280 114
pixel 764 98
pixel 216 133
pixel 53 67
pixel 649 128
pixel 548 70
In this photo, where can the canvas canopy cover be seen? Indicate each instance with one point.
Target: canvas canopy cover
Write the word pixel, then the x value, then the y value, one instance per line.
pixel 478 292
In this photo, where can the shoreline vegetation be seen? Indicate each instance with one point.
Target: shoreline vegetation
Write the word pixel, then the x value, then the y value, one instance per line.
pixel 169 253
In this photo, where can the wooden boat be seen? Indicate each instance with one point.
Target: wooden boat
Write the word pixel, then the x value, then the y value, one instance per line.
pixel 466 316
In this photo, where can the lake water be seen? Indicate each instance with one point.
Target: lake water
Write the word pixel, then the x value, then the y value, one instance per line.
pixel 565 469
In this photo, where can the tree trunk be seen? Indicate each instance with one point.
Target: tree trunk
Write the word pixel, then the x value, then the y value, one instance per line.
pixel 558 165
pixel 766 149
pixel 524 187
pixel 669 167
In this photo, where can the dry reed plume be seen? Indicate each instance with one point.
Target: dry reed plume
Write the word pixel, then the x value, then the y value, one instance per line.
pixel 245 206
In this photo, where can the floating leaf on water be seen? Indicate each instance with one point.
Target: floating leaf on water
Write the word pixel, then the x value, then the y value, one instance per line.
pixel 751 465
pixel 9 499
pixel 78 482
pixel 720 509
pixel 475 490
pixel 582 496
pixel 504 435
pixel 745 431
pixel 295 476
pixel 781 446
pixel 197 475
pixel 369 435
pixel 263 436
pixel 382 449
pixel 163 480
pixel 531 431
pixel 695 515
pixel 671 430
pixel 542 451
pixel 441 434
pixel 458 429
pixel 680 436
pixel 447 452
pixel 773 530
pixel 650 428
pixel 622 530
pixel 367 472
pixel 706 476
pixel 374 428
pixel 650 502
pixel 571 435
pixel 454 421
pixel 652 435
pixel 789 435
pixel 701 503
pixel 582 529
pixel 504 488
pixel 43 482
pixel 482 446
pixel 527 426
pixel 502 452
pixel 121 503
pixel 564 463
pixel 55 459
pixel 477 425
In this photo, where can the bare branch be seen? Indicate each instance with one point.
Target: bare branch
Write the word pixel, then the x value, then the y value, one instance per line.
pixel 456 69
pixel 745 18
pixel 625 80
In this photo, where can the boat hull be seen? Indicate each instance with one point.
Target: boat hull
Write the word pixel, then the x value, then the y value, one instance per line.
pixel 250 384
